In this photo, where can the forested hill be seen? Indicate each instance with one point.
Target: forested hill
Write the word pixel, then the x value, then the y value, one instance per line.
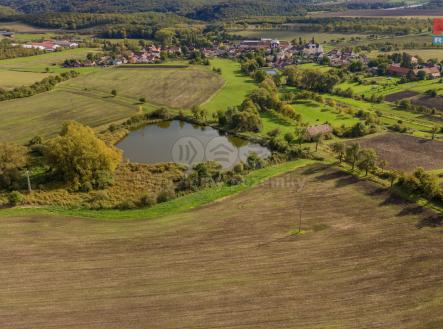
pixel 202 9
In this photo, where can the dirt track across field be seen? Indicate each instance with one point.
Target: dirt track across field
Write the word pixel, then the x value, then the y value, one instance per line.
pixel 366 260
pixel 405 152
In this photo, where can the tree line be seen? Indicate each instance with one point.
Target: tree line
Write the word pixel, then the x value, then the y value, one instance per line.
pixel 36 88
pixel 417 183
pixel 9 51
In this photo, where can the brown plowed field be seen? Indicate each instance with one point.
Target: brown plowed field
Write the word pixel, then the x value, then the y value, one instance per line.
pixel 405 152
pixel 431 102
pixel 400 95
pixel 365 261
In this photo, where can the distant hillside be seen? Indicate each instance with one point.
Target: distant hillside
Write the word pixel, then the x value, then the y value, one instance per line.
pixel 6 11
pixel 195 8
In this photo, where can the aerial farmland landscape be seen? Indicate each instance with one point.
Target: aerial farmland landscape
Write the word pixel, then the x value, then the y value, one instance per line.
pixel 221 164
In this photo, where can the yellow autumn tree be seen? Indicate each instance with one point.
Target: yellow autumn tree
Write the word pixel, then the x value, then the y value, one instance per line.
pixel 80 158
pixel 12 159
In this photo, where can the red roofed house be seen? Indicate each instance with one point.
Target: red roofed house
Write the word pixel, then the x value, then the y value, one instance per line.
pixel 432 72
pixel 396 69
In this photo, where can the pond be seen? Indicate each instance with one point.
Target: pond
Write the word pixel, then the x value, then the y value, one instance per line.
pixel 182 142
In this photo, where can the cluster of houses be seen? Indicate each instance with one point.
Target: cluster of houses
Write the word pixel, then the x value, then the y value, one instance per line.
pixel 283 53
pixel 149 55
pixel 278 53
pixel 49 45
pixel 432 71
pixel 344 57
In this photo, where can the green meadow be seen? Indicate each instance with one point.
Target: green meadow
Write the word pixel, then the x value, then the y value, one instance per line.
pixel 236 86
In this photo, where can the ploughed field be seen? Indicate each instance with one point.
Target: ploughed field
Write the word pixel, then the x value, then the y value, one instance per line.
pixel 401 95
pixel 366 260
pixel 405 152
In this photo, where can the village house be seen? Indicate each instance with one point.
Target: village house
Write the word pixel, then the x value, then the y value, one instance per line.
pixel 397 70
pixel 341 58
pixel 432 72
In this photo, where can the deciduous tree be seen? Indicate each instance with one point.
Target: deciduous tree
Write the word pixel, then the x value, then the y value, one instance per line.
pixel 80 158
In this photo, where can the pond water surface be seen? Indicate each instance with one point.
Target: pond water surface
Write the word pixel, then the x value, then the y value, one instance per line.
pixel 181 142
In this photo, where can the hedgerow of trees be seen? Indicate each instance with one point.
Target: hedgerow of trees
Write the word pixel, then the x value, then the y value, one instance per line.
pixel 36 88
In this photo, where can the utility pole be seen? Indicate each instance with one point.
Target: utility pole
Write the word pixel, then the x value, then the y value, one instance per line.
pixel 28 181
pixel 300 189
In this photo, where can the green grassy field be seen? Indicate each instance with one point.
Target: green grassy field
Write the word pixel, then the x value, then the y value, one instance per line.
pixel 313 66
pixel 315 113
pixel 415 121
pixel 236 87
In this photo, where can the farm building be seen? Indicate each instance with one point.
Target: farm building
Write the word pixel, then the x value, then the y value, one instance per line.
pixel 7 34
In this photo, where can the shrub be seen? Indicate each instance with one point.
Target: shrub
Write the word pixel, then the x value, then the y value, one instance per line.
pixel 161 113
pixel 235 180
pixel 254 161
pixel 12 159
pixel 238 168
pixel 127 205
pixel 147 201
pixel 14 198
pixel 166 195
pixel 274 132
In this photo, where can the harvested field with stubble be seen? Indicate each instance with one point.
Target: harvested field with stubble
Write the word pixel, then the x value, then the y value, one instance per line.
pixel 173 87
pixel 366 260
pixel 405 152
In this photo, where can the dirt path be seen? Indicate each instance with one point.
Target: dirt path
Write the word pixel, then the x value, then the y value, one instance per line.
pixel 366 261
